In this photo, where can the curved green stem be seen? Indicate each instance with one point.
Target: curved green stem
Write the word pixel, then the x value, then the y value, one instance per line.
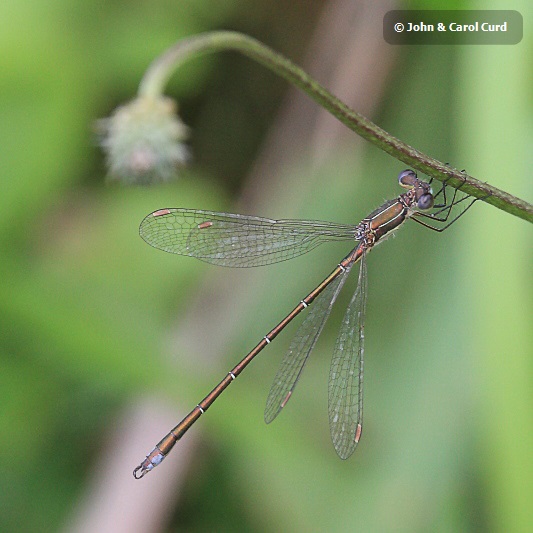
pixel 162 68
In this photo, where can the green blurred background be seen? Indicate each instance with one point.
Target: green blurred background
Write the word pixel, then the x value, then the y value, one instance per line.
pixel 106 342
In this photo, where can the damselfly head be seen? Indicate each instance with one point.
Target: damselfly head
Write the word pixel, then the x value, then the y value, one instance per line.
pixel 423 195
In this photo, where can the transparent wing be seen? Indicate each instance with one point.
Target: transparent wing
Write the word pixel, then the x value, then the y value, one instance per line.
pixel 304 341
pixel 345 391
pixel 236 240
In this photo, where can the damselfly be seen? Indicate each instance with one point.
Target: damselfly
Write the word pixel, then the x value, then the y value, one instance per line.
pixel 245 241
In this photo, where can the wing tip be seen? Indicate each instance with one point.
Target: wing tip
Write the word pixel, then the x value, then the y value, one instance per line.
pixel 344 447
pixel 271 414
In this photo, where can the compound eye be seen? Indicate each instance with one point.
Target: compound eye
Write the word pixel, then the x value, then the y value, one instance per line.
pixel 407 178
pixel 426 201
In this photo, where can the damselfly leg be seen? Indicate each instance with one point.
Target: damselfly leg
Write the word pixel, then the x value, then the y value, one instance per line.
pixel 441 211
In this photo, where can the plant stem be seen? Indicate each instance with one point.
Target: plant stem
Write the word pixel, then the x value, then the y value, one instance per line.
pixel 162 68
